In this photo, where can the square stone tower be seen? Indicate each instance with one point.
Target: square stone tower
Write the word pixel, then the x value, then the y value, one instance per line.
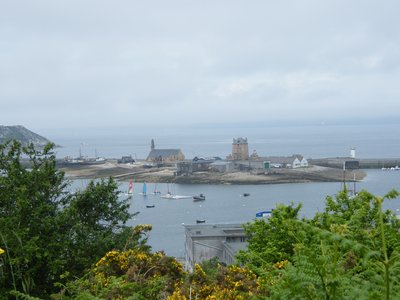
pixel 240 149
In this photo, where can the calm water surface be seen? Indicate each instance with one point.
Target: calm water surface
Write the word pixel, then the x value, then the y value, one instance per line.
pixel 312 141
pixel 224 204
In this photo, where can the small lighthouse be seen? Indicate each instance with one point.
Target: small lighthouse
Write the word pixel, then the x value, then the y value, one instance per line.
pixel 353 152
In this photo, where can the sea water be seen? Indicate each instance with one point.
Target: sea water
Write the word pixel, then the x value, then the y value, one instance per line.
pixel 226 204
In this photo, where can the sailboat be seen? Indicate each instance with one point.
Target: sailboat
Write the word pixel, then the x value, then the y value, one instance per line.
pixel 144 190
pixel 130 189
pixel 169 195
pixel 156 191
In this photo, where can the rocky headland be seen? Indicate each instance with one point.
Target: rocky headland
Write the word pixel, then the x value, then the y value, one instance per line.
pixel 21 134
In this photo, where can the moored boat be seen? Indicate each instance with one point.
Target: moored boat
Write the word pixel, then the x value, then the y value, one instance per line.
pixel 264 214
pixel 144 190
pixel 170 196
pixel 200 197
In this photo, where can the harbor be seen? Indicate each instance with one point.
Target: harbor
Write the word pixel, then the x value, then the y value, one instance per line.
pixel 226 204
pixel 239 167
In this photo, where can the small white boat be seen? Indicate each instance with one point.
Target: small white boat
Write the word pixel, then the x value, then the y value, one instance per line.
pixel 170 196
pixel 167 196
pixel 181 197
pixel 264 214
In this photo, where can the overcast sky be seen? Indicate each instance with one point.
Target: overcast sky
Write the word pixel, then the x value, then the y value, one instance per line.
pixel 100 63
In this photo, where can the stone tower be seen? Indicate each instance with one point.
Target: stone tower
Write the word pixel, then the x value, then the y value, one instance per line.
pixel 240 149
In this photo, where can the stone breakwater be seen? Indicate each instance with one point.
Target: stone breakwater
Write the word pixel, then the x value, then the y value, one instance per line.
pixel 138 173
pixel 364 163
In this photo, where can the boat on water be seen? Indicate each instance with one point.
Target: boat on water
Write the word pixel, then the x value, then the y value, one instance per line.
pixel 181 197
pixel 171 196
pixel 130 189
pixel 150 205
pixel 246 194
pixel 144 190
pixel 395 168
pixel 200 197
pixel 199 221
pixel 264 214
pixel 156 191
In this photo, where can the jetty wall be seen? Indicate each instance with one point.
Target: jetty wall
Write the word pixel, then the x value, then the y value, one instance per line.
pixel 365 163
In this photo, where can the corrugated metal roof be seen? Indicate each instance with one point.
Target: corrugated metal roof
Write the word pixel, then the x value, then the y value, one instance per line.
pixel 207 230
pixel 221 163
pixel 280 159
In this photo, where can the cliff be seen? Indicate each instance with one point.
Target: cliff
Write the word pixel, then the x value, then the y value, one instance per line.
pixel 21 134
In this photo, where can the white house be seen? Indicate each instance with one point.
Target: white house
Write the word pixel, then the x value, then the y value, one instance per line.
pixel 294 161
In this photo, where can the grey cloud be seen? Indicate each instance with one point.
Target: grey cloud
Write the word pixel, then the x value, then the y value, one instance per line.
pixel 100 62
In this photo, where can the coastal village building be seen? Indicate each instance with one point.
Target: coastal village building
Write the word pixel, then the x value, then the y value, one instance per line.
pixel 206 241
pixel 126 160
pixel 195 165
pixel 204 165
pixel 222 166
pixel 294 161
pixel 240 149
pixel 164 155
pixel 254 156
pixel 264 163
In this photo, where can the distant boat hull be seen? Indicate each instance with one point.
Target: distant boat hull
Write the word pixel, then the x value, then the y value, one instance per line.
pixel 264 214
pixel 200 197
pixel 170 196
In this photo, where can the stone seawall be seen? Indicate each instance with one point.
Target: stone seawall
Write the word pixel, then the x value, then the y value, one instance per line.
pixel 365 163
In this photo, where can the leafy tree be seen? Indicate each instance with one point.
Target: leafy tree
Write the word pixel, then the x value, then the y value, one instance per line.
pixel 93 223
pixel 351 250
pixel 47 232
pixel 271 240
pixel 30 201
